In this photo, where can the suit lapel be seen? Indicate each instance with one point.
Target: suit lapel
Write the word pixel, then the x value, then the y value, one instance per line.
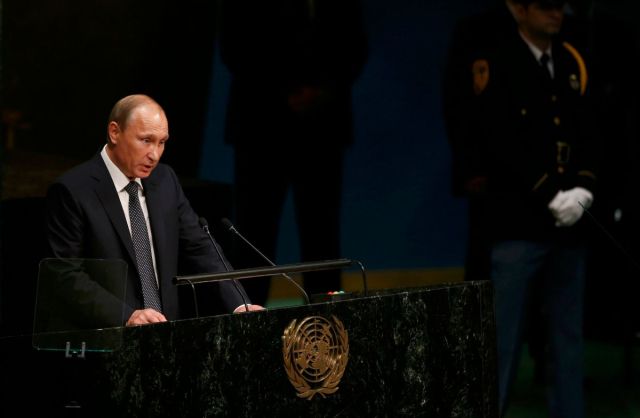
pixel 158 230
pixel 162 219
pixel 108 196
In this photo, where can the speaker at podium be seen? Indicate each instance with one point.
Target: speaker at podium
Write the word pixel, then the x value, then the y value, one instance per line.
pixel 427 351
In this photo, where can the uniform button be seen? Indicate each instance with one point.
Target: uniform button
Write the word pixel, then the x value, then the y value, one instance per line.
pixel 523 111
pixel 554 98
pixel 556 121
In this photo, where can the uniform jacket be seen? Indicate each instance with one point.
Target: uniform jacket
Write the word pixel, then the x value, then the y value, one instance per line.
pixel 529 136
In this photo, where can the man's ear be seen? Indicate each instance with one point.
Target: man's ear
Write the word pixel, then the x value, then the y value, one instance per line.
pixel 113 131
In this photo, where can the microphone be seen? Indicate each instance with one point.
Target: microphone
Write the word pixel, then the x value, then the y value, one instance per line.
pixel 205 226
pixel 227 224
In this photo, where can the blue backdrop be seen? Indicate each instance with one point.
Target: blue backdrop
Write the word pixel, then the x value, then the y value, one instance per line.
pixel 398 211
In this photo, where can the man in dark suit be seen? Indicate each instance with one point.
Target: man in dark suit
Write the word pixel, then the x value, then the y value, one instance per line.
pixel 521 133
pixel 289 119
pixel 94 209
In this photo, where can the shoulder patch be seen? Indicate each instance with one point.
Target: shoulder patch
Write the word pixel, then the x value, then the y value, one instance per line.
pixel 581 66
pixel 480 72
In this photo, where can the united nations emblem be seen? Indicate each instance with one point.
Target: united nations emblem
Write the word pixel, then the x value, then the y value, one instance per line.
pixel 315 353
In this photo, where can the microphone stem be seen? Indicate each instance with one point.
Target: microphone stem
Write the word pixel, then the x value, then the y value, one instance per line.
pixel 195 298
pixel 364 278
pixel 306 297
pixel 615 242
pixel 271 263
pixel 226 266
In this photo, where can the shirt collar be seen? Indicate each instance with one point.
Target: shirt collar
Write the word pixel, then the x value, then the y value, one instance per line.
pixel 119 179
pixel 537 52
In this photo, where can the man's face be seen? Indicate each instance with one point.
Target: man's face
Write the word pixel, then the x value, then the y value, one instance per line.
pixel 137 148
pixel 543 20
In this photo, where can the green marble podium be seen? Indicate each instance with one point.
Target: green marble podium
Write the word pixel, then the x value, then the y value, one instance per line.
pixel 427 352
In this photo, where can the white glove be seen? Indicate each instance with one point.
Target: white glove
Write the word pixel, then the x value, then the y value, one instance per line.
pixel 568 207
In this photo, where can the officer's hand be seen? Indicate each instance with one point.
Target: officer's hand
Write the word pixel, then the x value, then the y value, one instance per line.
pixel 568 206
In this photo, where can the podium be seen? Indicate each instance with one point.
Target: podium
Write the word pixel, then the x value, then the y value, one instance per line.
pixel 426 352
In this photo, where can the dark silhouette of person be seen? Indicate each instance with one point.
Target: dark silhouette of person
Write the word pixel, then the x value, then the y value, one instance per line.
pixel 289 118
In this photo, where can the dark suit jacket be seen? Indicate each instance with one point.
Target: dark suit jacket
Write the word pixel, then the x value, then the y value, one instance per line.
pixel 85 220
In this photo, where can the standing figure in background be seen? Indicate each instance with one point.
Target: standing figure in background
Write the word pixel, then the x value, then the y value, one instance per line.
pixel 289 118
pixel 524 144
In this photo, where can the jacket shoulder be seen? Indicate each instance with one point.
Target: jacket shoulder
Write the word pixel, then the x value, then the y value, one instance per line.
pixel 81 174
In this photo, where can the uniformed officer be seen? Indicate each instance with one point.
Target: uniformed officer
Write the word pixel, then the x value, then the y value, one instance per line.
pixel 518 119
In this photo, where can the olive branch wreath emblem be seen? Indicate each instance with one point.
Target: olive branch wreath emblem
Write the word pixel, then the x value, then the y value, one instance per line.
pixel 316 352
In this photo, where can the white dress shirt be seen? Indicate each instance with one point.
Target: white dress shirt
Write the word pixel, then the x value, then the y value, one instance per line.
pixel 120 181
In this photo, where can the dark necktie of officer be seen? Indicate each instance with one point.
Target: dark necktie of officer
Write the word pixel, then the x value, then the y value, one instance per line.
pixel 142 247
pixel 544 61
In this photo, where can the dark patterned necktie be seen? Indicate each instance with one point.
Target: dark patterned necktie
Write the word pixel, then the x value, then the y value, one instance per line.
pixel 544 61
pixel 142 248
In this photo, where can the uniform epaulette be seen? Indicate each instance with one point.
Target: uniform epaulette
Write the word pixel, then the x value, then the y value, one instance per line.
pixel 581 66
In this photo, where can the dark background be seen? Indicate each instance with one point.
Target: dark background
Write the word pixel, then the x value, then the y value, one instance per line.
pixel 64 64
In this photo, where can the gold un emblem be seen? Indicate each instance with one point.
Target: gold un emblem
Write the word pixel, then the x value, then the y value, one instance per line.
pixel 315 353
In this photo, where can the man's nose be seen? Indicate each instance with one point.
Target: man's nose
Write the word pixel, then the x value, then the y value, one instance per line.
pixel 154 154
